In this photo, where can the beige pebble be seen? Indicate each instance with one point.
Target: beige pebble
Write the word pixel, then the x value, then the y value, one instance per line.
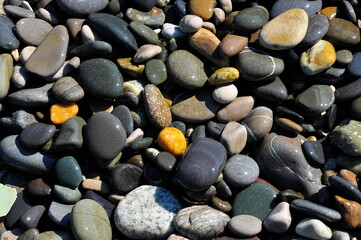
pixel 89 35
pixel 218 16
pixel 225 94
pixel 115 198
pixel 134 136
pixel 176 237
pixel 26 53
pixel 146 52
pixel 226 5
pixel 11 234
pixel 96 185
pixel 2 12
pixel 26 5
pixel 190 23
pixel 189 132
pixel 311 138
pixel 234 137
pixel 47 16
pixel 157 31
pixel 209 26
pixel 20 76
pixel 65 70
pixel 15 54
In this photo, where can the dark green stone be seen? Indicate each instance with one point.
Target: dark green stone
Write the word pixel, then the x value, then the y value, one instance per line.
pixel 251 19
pixel 257 200
pixel 70 136
pixel 92 50
pixel 289 195
pixel 68 172
pixel 145 33
pixel 156 71
pixel 67 195
pixel 179 125
pixel 141 144
pixel 347 137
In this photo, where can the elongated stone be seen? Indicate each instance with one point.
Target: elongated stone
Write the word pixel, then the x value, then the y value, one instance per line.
pixel 32 31
pixel 82 7
pixel 8 41
pixel 6 71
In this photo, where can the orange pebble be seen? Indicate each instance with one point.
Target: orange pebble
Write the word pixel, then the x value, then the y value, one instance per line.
pixel 59 113
pixel 172 140
pixel 168 101
pixel 329 12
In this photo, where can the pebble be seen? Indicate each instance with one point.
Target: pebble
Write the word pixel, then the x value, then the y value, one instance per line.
pixel 285 31
pixel 8 40
pixel 29 234
pixel 6 71
pixel 67 90
pixel 60 113
pixel 128 67
pixel 146 52
pixel 156 208
pixel 316 210
pixel 166 161
pixel 200 222
pixel 232 44
pixel 32 31
pixel 32 97
pixel 234 137
pixel 36 135
pixel 317 29
pixel 39 188
pixel 349 211
pixel 223 76
pixel 225 94
pixel 349 92
pixel 344 57
pixel 314 229
pixel 172 140
pixel 56 235
pixel 258 123
pixel 279 220
pixel 125 177
pixel 275 91
pixel 122 112
pixel 144 32
pixel 282 6
pixel 190 23
pixel 18 12
pixel 31 217
pixel 82 8
pixel 96 185
pixel 352 66
pixel 245 225
pixel 342 33
pixel 144 5
pixel 20 76
pixel 329 12
pixel 313 152
pixel 60 213
pixel 203 9
pixel 66 195
pixel 345 137
pixel 251 19
pixel 70 136
pixel 20 206
pixel 240 171
pixel 347 189
pixel 349 176
pixel 68 172
pixel 170 31
pixel 154 18
pixel 236 110
pixel 156 71
pixel 7 198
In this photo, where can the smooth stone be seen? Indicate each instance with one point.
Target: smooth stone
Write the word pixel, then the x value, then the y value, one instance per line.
pixel 107 205
pixel 317 29
pixel 125 177
pixel 8 40
pixel 345 137
pixel 190 23
pixel 285 31
pixel 67 195
pixel 165 161
pixel 179 125
pixel 105 136
pixel 25 160
pixel 8 197
pixel 186 69
pixel 345 188
pixel 101 78
pixel 201 196
pixel 355 107
pixel 198 133
pixel 258 123
pixel 240 171
pixel 349 92
pixel 353 66
pixel 200 222
pixel 145 33
pixel 94 49
pixel 289 195
pixel 70 136
pixel 344 57
pixel 82 7
pixel 60 213
pixel 316 99
pixel 18 12
pixel 281 159
pixel 74 26
pixel 18 120
pixel 236 110
pixel 223 76
pixel 32 31
pixel 122 112
pixel 20 206
pixel 55 45
pixel 251 19
pixel 192 107
pixel 288 113
pixel 54 235
pixel 36 135
pixel 255 65
pixel 232 44
pixel 318 58
pixel 225 94
pixel 313 152
pixel 11 234
pixel 315 210
pixel 180 7
pixel 350 11
pixel 113 28
pixel 350 211
pixel 279 220
pixel 340 235
pixel 313 229
pixel 281 6
pixel 67 90
pixel 201 174
pixel 156 71
pixel 349 176
pixel 223 206
pixel 234 137
pixel 146 52
pixel 207 44
pixel 68 172
pixel 31 217
pixel 162 3
pixel 215 129
pixel 256 200
pixel 6 71
pixel 30 234
pixel 156 108
pixel 90 221
pixel 128 67
pixel 275 91
pixel 342 33
pixel 170 31
pixel 245 225
pixel 38 188
pixel 32 97
pixel 20 76
pixel 155 220
pixel 203 9
pixel 144 5
pixel 154 18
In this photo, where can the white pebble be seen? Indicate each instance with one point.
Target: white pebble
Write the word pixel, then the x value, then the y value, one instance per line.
pixel 26 53
pixel 218 15
pixel 313 229
pixel 20 76
pixel 279 220
pixel 225 93
pixel 146 52
pixel 89 35
pixel 170 30
pixel 190 23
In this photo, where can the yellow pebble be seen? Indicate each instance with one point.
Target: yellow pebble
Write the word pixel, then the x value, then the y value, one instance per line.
pixel 223 75
pixel 172 140
pixel 168 101
pixel 59 113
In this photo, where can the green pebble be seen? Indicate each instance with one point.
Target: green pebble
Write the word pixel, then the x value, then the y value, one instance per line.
pixel 156 71
pixel 67 195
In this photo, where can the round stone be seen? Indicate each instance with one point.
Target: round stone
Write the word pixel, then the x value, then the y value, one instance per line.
pixel 125 177
pixel 245 225
pixel 275 91
pixel 232 44
pixel 156 71
pixel 204 9
pixel 317 29
pixel 145 33
pixel 281 6
pixel 82 7
pixel 313 229
pixel 67 90
pixel 344 57
pixel 36 135
pixel 190 23
pixel 32 31
pixel 251 19
pixel 146 52
pixel 172 140
pixel 259 123
pixel 123 113
pixel 236 110
pixel 234 137
pixel 224 94
pixel 342 33
pixel 66 195
pixel 68 172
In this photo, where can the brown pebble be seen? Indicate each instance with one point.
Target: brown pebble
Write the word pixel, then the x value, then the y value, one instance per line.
pixel 288 125
pixel 96 185
pixel 232 44
pixel 203 8
pixel 349 176
pixel 136 160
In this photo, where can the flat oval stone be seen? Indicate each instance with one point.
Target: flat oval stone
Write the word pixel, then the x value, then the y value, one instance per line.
pixel 224 94
pixel 254 65
pixel 93 49
pixel 313 229
pixel 256 200
pixel 8 41
pixel 67 90
pixel 275 91
pixel 317 29
pixel 245 225
pixel 82 7
pixel 236 110
pixel 315 210
pixel 157 109
pixel 344 57
pixel 281 6
pixel 348 92
pixel 101 78
pixel 67 195
pixel 342 33
pixel 200 222
pixel 156 71
pixel 60 213
pixel 285 31
pixel 240 171
pixel 36 135
pixel 32 31
pixel 282 160
pixel 232 44
pixel 204 9
pixel 345 188
pixel 53 48
pixel 70 136
pixel 90 221
pixel 105 136
pixel 125 177
pixel 279 220
pixel 31 217
pixel 155 220
pixel 18 12
pixel 194 108
pixel 54 235
pixel 145 33
pixel 316 99
pixel 153 18
pixel 313 151
pixel 190 23
pixel 68 172
pixel 113 28
pixel 234 137
pixel 251 19
pixel 25 160
pixel 210 158
pixel 186 69
pixel 259 123
pixel 6 71
pixel 123 113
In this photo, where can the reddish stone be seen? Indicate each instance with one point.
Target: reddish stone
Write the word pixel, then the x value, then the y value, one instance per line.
pixel 349 177
pixel 260 180
pixel 350 211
